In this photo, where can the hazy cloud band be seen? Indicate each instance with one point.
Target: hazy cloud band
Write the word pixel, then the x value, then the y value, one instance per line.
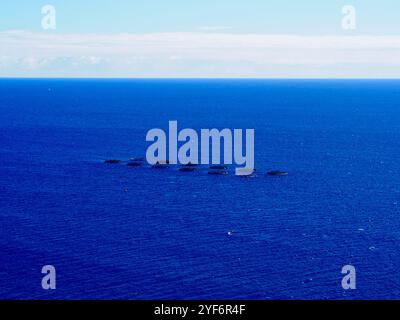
pixel 48 54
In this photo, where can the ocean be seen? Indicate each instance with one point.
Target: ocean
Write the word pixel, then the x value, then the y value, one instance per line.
pixel 119 232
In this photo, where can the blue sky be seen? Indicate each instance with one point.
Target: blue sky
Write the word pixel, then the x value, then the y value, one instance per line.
pixel 186 42
pixel 254 16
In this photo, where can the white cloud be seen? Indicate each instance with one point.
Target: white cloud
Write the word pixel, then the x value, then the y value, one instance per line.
pixel 202 54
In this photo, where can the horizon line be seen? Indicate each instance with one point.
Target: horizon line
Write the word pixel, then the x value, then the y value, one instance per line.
pixel 193 78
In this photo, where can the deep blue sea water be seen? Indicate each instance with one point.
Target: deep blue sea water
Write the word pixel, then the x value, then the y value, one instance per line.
pixel 167 236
